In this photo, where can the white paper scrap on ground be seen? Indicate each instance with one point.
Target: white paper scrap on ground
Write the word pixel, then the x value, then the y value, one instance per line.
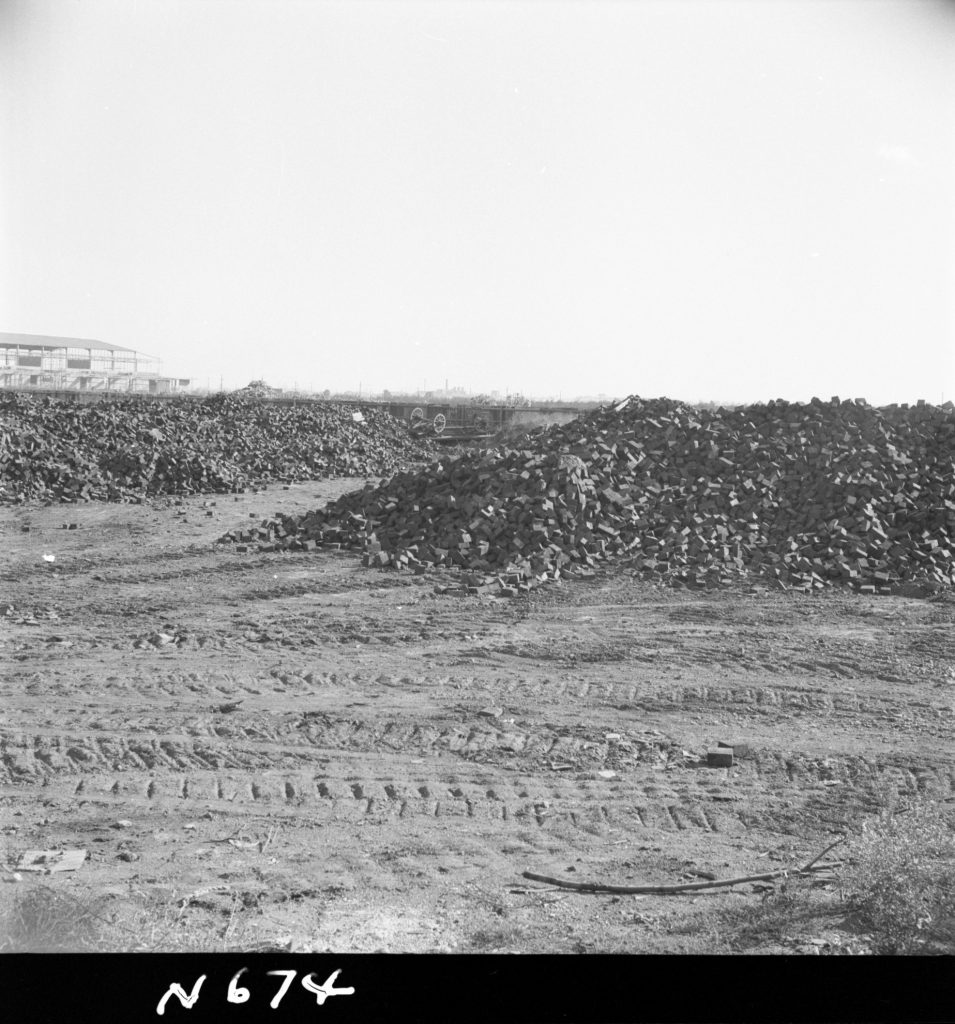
pixel 49 861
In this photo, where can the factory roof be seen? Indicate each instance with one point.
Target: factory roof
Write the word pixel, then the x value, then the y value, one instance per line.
pixel 50 341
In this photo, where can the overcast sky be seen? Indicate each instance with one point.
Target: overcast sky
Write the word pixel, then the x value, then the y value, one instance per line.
pixel 719 200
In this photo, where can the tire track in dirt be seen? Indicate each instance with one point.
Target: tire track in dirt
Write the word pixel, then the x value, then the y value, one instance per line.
pixel 302 741
pixel 466 735
pixel 918 775
pixel 770 790
pixel 306 679
pixel 227 742
pixel 590 805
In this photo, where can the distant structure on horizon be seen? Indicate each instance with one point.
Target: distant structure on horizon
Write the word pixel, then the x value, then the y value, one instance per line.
pixel 42 362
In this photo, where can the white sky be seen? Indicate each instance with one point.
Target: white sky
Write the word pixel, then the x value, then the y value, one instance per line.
pixel 718 200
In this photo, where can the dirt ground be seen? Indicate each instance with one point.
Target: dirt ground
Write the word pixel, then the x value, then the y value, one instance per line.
pixel 290 750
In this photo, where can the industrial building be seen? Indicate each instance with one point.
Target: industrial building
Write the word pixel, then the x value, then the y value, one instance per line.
pixel 41 362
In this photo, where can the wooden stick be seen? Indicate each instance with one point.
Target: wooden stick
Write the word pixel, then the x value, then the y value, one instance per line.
pixel 818 857
pixel 664 890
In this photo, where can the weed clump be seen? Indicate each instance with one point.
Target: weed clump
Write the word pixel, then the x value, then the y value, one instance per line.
pixel 900 881
pixel 44 920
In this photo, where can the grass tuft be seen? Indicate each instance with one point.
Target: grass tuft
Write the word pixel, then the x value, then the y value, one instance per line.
pixel 42 919
pixel 900 880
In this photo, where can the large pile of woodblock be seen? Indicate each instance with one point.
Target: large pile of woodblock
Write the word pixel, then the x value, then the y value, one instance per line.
pixel 807 494
pixel 56 449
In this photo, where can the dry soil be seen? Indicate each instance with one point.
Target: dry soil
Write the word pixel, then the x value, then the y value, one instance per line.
pixel 290 750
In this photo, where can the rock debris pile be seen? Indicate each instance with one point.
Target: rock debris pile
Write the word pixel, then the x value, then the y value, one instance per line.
pixel 125 449
pixel 806 494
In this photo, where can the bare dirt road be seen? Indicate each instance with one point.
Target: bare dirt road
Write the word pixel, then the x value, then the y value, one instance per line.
pixel 291 750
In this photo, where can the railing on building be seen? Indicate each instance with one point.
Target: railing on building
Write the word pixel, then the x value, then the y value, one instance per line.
pixel 25 367
pixel 28 365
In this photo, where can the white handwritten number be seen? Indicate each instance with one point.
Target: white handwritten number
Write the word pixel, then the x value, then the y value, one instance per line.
pixel 289 978
pixel 322 992
pixel 175 989
pixel 237 994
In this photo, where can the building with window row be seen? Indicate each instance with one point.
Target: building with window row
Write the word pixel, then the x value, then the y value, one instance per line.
pixel 43 362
